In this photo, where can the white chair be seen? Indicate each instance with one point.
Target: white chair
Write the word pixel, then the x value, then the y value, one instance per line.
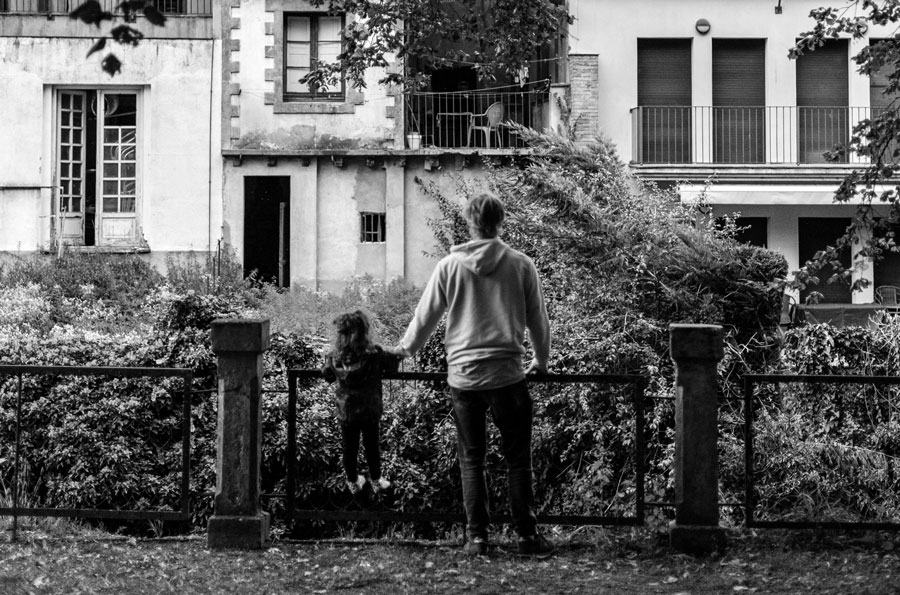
pixel 488 123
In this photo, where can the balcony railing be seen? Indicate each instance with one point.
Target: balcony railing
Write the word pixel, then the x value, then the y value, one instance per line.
pixel 741 135
pixel 474 119
pixel 187 7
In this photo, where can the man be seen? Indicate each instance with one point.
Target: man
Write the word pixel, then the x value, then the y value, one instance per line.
pixel 491 294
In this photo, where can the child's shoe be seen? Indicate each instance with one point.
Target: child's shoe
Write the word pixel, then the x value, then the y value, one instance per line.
pixel 380 484
pixel 357 486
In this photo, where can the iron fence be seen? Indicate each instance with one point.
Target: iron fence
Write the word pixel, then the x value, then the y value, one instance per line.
pixel 751 405
pixel 479 118
pixel 54 7
pixel 637 384
pixel 182 514
pixel 741 135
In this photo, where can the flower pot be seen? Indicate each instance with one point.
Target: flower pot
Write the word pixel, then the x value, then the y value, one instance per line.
pixel 414 140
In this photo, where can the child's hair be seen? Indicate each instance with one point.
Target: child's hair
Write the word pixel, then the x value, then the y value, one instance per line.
pixel 352 337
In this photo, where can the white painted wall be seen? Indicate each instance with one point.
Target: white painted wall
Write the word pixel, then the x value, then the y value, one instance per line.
pixel 610 29
pixel 180 81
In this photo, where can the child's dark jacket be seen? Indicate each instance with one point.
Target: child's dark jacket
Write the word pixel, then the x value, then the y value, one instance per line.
pixel 358 394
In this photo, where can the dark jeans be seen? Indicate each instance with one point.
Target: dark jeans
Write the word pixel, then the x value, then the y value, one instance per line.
pixel 511 409
pixel 350 441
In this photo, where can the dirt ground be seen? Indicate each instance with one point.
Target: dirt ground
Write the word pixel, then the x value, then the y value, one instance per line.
pixel 607 561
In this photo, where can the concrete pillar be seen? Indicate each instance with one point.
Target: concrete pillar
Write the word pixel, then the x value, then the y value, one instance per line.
pixel 237 520
pixel 557 116
pixel 696 349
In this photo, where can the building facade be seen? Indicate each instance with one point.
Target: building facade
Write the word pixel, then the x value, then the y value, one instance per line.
pixel 323 185
pixel 96 163
pixel 702 94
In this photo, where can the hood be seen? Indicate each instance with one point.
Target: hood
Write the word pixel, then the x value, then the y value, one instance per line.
pixel 480 256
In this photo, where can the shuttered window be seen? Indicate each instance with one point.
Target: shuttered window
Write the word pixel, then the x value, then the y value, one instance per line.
pixel 739 97
pixel 823 117
pixel 664 100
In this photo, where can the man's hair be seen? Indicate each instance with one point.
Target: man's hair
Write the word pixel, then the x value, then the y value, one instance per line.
pixel 485 213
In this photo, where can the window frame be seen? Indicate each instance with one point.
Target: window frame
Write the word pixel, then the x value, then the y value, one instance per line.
pixel 372 227
pixel 312 95
pixel 94 95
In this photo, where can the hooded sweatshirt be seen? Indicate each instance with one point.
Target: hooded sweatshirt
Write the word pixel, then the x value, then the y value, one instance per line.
pixel 491 294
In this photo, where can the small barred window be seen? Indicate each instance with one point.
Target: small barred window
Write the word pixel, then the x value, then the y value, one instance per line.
pixel 371 227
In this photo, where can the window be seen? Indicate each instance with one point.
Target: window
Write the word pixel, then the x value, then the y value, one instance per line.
pixel 97 166
pixel 823 82
pixel 371 228
pixel 739 97
pixel 308 40
pixel 664 100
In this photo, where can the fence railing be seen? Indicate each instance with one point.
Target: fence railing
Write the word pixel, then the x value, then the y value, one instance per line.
pixel 754 410
pixel 19 371
pixel 636 383
pixel 741 134
pixel 477 118
pixel 171 7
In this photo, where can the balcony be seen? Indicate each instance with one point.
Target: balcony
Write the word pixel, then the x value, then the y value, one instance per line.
pixel 54 7
pixel 478 119
pixel 752 136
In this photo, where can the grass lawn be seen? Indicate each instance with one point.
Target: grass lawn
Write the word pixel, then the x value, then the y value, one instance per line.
pixel 608 561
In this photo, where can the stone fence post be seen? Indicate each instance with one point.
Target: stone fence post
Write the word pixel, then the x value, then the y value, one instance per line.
pixel 237 520
pixel 696 350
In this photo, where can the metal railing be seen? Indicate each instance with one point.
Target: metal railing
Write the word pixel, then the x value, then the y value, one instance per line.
pixel 741 135
pixel 467 118
pixel 637 384
pixel 752 403
pixel 169 7
pixel 182 514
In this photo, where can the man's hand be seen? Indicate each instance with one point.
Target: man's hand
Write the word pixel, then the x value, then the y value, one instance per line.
pixel 536 367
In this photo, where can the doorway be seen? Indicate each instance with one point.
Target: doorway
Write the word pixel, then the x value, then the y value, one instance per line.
pixel 267 226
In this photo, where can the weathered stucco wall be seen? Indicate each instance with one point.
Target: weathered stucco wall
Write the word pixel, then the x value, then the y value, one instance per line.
pixel 325 203
pixel 178 84
pixel 259 117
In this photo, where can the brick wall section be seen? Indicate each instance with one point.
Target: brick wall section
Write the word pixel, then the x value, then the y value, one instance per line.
pixel 584 79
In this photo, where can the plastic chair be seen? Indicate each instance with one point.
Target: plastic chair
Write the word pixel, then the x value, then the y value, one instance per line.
pixel 488 123
pixel 886 295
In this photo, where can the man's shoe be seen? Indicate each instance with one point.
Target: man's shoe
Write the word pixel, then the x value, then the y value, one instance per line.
pixel 536 546
pixel 477 546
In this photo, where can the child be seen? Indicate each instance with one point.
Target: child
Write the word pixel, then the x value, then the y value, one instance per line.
pixel 357 364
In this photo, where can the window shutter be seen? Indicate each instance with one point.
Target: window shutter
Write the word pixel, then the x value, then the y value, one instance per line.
pixel 664 72
pixel 739 72
pixel 823 75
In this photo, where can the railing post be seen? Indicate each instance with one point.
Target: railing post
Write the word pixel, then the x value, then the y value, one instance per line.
pixel 237 520
pixel 696 349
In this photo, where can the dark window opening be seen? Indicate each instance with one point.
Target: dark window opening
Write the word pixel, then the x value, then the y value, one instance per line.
pixel 371 227
pixel 815 233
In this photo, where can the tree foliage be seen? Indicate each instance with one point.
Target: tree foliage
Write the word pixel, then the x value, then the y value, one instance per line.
pixel 92 13
pixel 492 36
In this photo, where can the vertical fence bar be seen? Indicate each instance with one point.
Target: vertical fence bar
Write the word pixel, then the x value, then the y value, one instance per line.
pixel 15 526
pixel 188 380
pixel 748 452
pixel 639 450
pixel 291 483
